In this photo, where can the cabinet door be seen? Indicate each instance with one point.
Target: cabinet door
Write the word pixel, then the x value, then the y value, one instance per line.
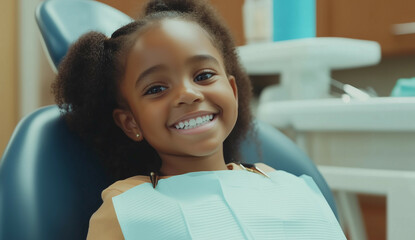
pixel 371 20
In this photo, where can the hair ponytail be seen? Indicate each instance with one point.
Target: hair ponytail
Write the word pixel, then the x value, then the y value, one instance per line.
pixel 79 68
pixel 82 84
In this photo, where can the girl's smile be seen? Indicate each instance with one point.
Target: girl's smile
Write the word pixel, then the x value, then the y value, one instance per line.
pixel 181 101
pixel 201 122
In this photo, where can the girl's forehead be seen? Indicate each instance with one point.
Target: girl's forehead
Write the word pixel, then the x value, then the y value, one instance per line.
pixel 174 37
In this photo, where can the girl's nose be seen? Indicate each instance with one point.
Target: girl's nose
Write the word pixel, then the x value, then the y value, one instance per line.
pixel 188 94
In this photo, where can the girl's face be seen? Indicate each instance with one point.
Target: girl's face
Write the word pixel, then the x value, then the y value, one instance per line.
pixel 179 96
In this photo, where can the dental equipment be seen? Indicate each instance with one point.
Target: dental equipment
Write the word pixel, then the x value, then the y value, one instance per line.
pixel 305 64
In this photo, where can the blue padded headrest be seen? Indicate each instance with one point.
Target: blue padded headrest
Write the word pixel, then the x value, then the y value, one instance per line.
pixel 60 28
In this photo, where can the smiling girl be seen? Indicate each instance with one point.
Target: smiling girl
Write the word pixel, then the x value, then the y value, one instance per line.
pixel 165 103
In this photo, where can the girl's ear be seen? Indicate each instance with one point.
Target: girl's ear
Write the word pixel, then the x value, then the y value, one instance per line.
pixel 125 120
pixel 232 82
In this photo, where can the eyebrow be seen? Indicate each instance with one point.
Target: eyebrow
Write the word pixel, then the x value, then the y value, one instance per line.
pixel 149 71
pixel 191 60
pixel 202 58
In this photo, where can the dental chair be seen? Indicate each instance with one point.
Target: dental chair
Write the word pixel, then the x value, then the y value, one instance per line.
pixel 50 182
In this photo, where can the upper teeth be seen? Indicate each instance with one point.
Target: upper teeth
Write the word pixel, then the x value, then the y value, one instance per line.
pixel 194 122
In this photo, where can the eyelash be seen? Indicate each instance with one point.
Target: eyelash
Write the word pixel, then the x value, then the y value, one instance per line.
pixel 157 89
pixel 151 91
pixel 204 74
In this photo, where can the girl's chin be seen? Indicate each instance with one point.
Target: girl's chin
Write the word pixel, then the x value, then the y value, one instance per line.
pixel 197 151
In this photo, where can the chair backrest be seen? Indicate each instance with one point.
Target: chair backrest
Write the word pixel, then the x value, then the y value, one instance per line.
pixel 279 152
pixel 50 182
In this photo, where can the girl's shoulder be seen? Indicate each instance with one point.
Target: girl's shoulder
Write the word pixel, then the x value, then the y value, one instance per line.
pixel 124 185
pixel 264 167
pixel 261 166
pixel 104 223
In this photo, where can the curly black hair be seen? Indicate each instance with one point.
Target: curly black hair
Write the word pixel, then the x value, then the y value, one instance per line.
pixel 87 86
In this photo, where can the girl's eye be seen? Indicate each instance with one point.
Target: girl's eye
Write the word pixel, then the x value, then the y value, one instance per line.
pixel 203 76
pixel 155 90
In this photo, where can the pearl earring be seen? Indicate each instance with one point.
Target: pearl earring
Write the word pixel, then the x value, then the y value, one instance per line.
pixel 137 135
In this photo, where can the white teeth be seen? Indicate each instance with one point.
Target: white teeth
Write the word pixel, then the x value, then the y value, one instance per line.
pixel 199 120
pixel 191 123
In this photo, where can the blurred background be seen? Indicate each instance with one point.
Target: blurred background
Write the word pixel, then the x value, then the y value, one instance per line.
pixel 25 74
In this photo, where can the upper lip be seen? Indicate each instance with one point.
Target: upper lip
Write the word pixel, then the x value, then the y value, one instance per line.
pixel 190 116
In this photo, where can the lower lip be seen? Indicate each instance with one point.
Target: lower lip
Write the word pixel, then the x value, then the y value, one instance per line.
pixel 198 129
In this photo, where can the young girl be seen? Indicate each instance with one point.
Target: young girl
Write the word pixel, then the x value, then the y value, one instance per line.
pixel 165 103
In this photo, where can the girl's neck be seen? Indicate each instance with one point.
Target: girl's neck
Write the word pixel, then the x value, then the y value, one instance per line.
pixel 175 165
